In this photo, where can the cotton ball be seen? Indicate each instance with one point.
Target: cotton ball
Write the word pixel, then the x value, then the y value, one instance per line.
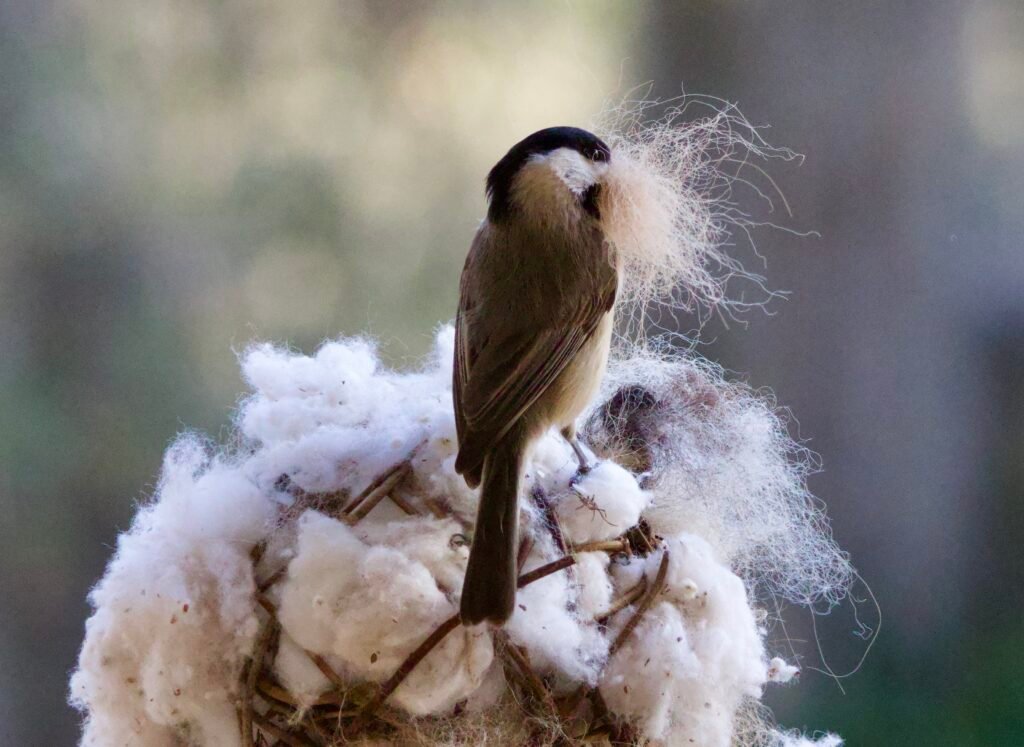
pixel 371 606
pixel 603 504
pixel 594 587
pixel 438 544
pixel 174 616
pixel 558 639
pixel 654 680
pixel 297 672
pixel 780 671
pixel 694 656
pixel 552 462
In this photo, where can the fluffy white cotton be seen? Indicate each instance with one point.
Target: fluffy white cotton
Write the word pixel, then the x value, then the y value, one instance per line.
pixel 684 672
pixel 602 504
pixel 705 463
pixel 370 606
pixel 561 641
pixel 175 615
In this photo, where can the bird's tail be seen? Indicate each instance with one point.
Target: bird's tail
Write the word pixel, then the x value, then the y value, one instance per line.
pixel 489 591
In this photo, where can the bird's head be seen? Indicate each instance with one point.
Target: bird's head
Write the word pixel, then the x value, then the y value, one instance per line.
pixel 554 175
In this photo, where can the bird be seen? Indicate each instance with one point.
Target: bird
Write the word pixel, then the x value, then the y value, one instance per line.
pixel 532 337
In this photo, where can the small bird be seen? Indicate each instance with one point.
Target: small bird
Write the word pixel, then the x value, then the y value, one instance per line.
pixel 532 335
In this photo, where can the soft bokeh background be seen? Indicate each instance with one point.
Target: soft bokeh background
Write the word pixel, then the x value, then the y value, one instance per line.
pixel 179 178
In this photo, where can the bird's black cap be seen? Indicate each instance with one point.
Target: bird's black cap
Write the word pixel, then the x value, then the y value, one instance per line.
pixel 499 181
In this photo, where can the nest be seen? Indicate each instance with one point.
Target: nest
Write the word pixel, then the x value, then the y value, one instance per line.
pixel 268 714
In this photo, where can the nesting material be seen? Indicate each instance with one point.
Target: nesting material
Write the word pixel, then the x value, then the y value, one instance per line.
pixel 302 586
pixel 280 586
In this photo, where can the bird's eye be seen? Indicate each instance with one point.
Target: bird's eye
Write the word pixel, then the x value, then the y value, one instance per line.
pixel 598 155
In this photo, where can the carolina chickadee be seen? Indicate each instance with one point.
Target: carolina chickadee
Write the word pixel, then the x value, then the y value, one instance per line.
pixel 532 335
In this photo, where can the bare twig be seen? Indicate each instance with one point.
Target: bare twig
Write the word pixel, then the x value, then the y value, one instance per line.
pixel 403 504
pixel 645 604
pixel 610 546
pixel 326 669
pixel 545 570
pixel 550 518
pixel 631 595
pixel 392 683
pixel 515 657
pixel 276 731
pixel 250 673
pixel 368 499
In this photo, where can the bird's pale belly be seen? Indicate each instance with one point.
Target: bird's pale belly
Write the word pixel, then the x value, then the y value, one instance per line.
pixel 578 383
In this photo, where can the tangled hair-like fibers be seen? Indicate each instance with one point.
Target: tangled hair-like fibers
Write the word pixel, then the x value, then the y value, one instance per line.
pixel 668 203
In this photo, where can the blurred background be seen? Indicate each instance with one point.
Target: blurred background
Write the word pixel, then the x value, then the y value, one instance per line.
pixel 179 178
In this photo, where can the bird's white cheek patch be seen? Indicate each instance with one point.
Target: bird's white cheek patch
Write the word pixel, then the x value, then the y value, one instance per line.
pixel 575 170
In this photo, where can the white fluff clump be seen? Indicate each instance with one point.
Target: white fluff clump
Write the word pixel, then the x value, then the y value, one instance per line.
pixel 174 616
pixel 302 569
pixel 694 657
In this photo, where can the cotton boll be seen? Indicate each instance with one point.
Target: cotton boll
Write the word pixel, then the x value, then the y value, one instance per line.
pixel 594 587
pixel 559 639
pixel 725 635
pixel 694 657
pixel 297 672
pixel 780 671
pixel 603 504
pixel 174 613
pixel 552 463
pixel 436 543
pixel 371 606
pixel 657 674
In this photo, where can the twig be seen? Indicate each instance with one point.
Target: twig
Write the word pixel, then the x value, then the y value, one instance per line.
pixel 545 570
pixel 610 546
pixel 367 501
pixel 550 518
pixel 272 579
pixel 631 595
pixel 272 691
pixel 436 508
pixel 276 731
pixel 403 504
pixel 326 669
pixel 644 605
pixel 392 682
pixel 520 661
pixel 250 673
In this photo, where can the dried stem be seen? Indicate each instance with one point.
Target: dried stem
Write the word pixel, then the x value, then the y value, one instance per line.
pixel 631 595
pixel 276 731
pixel 610 546
pixel 403 671
pixel 545 570
pixel 379 489
pixel 645 604
pixel 250 673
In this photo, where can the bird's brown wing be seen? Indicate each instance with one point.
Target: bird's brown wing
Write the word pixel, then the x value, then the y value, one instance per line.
pixel 497 380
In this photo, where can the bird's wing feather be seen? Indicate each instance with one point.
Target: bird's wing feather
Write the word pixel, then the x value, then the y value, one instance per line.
pixel 497 380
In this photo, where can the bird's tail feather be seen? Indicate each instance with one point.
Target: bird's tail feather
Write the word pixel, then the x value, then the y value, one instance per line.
pixel 489 591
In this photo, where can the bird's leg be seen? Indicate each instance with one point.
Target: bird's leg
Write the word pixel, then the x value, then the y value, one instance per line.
pixel 569 434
